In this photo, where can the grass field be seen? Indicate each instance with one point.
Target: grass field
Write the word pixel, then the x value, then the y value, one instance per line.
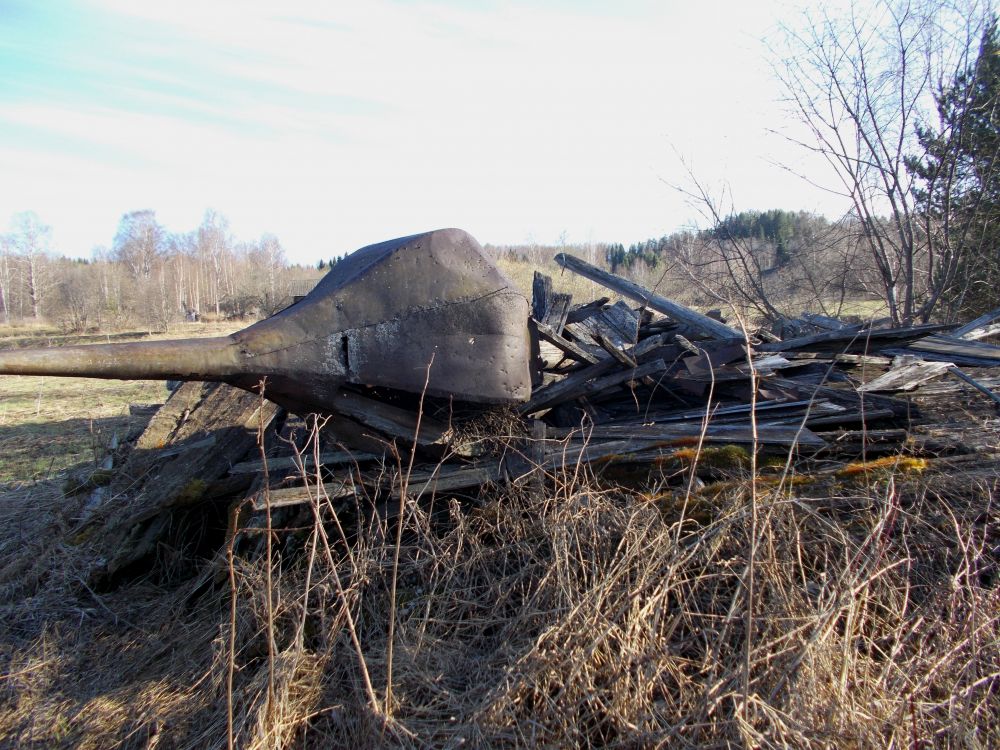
pixel 49 424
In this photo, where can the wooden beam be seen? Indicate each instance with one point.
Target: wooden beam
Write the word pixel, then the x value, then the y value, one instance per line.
pixel 586 382
pixel 650 299
pixel 974 383
pixel 969 329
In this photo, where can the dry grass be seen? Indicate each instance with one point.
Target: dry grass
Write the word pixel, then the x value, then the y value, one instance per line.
pixel 597 616
pixel 822 611
pixel 673 281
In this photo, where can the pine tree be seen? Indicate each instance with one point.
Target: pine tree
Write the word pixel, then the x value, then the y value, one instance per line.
pixel 959 178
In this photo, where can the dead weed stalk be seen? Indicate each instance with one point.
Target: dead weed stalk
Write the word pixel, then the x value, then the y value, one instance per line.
pixel 596 615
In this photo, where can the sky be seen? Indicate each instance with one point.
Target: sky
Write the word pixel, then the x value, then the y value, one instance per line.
pixel 334 125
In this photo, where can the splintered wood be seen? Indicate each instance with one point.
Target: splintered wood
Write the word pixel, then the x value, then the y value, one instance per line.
pixel 642 385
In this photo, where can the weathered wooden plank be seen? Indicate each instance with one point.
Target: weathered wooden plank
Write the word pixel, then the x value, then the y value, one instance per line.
pixel 391 420
pixel 906 375
pixel 442 478
pixel 849 399
pixel 974 383
pixel 616 352
pixel 283 497
pixel 650 299
pixel 280 463
pixel 650 343
pixel 587 382
pixel 940 388
pixel 729 433
pixel 618 323
pixel 568 385
pixel 862 360
pixel 993 329
pixel 158 479
pixel 818 418
pixel 584 311
pixel 852 341
pixel 970 329
pixel 548 307
pixel 764 409
pixel 959 351
pixel 448 479
pixel 184 447
pixel 570 348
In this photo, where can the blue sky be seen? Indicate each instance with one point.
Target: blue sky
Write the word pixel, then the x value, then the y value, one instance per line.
pixel 337 124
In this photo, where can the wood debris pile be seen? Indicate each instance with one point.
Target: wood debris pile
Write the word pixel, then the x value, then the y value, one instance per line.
pixel 635 383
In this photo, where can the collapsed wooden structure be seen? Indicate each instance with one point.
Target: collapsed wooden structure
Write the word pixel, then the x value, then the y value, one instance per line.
pixel 633 385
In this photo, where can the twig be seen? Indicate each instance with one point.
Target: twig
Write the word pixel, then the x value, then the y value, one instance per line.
pixel 269 584
pixel 403 490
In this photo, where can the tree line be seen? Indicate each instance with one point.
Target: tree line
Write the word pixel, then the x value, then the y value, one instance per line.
pixel 902 101
pixel 147 276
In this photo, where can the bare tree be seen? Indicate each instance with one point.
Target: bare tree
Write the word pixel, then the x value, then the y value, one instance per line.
pixel 728 269
pixel 73 302
pixel 270 256
pixel 214 243
pixel 31 239
pixel 6 275
pixel 139 243
pixel 862 83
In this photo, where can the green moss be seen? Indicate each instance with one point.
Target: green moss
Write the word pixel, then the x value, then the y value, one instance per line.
pixel 725 457
pixel 192 492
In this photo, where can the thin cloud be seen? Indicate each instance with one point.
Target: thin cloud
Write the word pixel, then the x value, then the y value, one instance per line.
pixel 337 124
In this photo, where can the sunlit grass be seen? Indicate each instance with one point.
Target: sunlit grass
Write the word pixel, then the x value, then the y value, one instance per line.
pixel 48 424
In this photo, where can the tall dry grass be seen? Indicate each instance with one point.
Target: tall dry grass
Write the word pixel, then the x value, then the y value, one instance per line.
pixel 598 615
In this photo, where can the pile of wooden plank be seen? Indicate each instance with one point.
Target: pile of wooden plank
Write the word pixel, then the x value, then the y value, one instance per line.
pixel 634 382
